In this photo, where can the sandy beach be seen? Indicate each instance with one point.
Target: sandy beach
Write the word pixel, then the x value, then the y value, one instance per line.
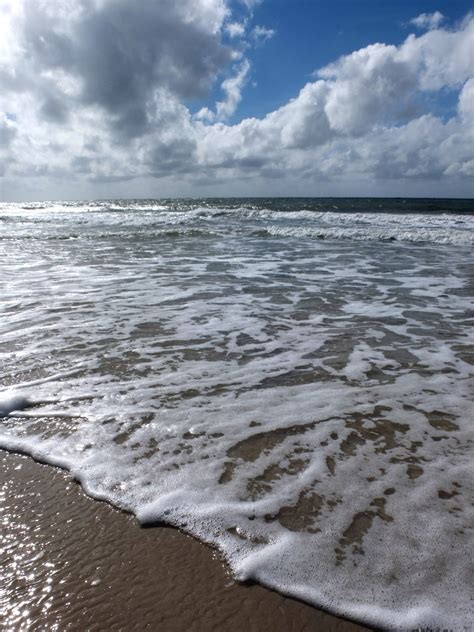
pixel 236 342
pixel 71 563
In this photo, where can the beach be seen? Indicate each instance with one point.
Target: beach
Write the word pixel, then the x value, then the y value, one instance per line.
pixel 236 315
pixel 72 563
pixel 288 381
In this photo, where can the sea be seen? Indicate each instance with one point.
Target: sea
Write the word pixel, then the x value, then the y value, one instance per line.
pixel 289 380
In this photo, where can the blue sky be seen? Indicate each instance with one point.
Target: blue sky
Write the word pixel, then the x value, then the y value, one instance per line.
pixel 117 98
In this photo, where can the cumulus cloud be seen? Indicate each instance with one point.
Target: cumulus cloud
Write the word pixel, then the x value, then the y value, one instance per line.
pixel 120 54
pixel 372 85
pixel 102 91
pixel 363 116
pixel 428 20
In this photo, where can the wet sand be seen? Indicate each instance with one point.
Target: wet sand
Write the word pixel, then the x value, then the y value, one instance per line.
pixel 71 563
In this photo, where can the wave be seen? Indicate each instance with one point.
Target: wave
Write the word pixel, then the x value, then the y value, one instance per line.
pixel 420 235
pixel 207 223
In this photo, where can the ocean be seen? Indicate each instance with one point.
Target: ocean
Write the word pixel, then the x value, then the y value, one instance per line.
pixel 289 380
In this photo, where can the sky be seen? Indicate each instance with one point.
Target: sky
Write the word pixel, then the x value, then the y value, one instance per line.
pixel 178 98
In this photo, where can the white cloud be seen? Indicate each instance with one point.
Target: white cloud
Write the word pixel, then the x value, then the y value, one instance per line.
pixel 466 103
pixel 235 29
pixel 303 121
pixel 363 119
pixel 119 54
pixel 441 58
pixel 370 85
pixel 261 34
pixel 250 4
pixel 205 114
pixel 428 20
pixel 232 88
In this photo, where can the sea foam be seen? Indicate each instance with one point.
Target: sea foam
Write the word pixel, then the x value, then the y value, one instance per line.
pixel 303 405
pixel 12 401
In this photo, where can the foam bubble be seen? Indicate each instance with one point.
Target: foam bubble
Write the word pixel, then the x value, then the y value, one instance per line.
pixel 12 401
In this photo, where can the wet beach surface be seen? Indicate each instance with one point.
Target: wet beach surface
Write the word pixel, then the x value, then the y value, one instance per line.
pixel 71 563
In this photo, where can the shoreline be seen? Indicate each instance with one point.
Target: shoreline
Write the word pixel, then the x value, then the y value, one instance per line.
pixel 71 562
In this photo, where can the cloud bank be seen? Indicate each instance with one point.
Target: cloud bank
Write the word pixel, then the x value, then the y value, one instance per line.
pixel 102 92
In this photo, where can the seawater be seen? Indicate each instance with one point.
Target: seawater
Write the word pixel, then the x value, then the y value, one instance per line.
pixel 290 380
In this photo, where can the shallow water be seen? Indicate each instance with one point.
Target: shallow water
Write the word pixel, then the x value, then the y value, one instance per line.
pixel 285 379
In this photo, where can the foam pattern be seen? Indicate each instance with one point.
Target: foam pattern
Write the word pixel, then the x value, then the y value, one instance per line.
pixel 305 405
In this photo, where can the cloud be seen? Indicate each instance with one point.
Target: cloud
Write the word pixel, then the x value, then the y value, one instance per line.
pixel 363 117
pixel 428 20
pixel 371 85
pixel 120 54
pixel 261 34
pixel 232 88
pixel 8 131
pixel 101 91
pixel 235 29
pixel 466 102
pixel 250 4
pixel 303 122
